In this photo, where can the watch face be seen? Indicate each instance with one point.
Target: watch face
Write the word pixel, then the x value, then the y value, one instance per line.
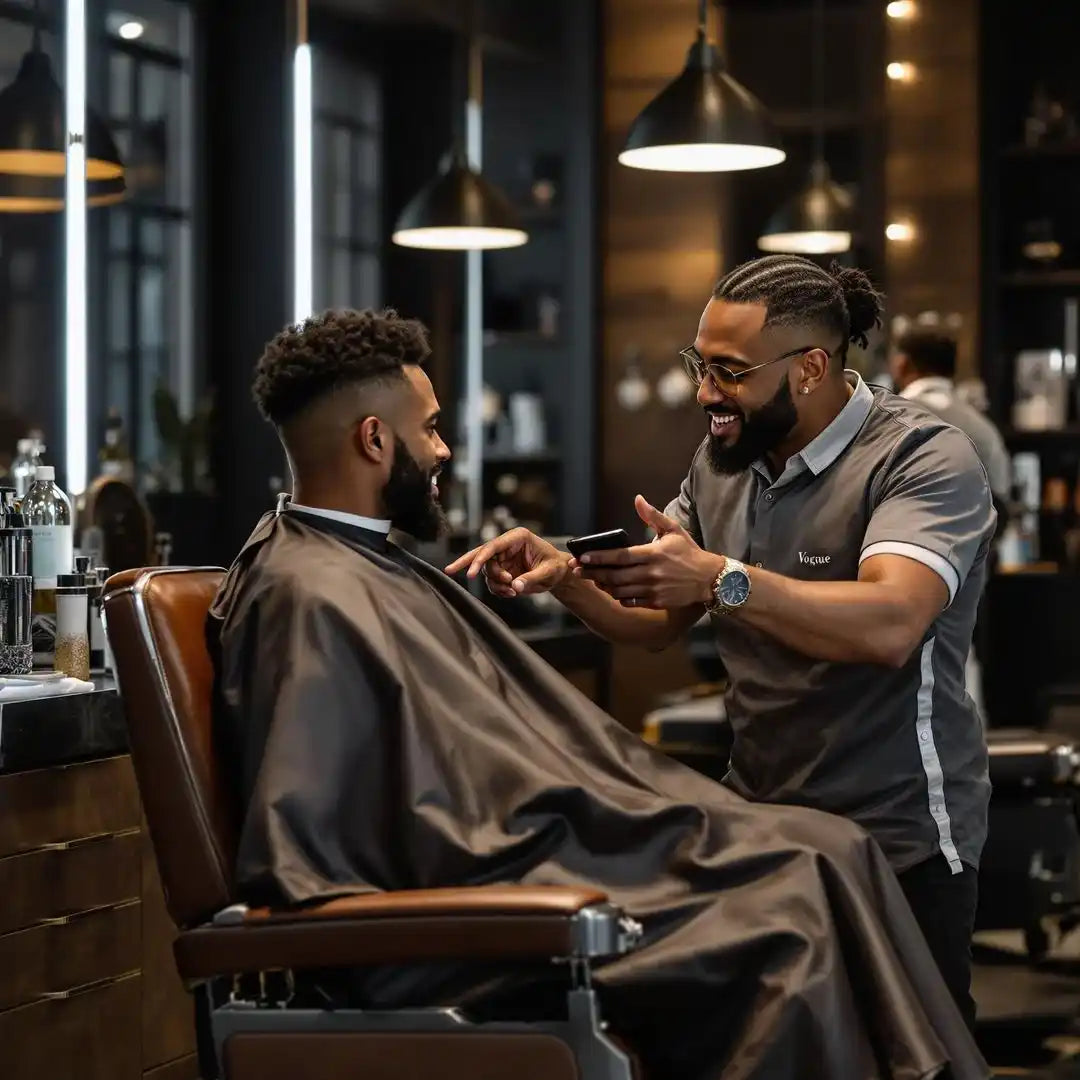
pixel 735 588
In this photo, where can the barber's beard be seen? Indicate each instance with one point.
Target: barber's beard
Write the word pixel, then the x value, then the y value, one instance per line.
pixel 762 430
pixel 410 503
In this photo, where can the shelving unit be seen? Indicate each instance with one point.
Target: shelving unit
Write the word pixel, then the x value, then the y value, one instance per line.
pixel 537 121
pixel 1022 301
pixel 1031 629
pixel 1041 279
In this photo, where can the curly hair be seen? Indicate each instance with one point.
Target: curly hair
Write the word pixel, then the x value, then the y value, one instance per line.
pixel 308 360
pixel 794 290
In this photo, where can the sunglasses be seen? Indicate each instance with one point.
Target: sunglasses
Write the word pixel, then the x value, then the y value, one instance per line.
pixel 724 379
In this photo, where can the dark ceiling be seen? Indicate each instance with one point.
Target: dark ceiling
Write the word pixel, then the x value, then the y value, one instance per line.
pixel 504 24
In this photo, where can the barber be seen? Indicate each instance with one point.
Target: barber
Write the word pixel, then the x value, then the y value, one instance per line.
pixel 837 535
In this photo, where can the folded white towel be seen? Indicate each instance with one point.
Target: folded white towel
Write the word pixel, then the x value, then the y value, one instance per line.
pixel 18 689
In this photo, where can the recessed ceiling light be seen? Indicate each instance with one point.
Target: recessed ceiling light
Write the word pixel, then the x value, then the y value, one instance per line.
pixel 131 29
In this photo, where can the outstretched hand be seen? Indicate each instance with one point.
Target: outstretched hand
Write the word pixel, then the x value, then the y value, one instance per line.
pixel 518 563
pixel 671 572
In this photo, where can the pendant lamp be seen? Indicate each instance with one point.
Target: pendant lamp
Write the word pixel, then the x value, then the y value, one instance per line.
pixel 459 210
pixel 45 194
pixel 702 121
pixel 818 220
pixel 32 137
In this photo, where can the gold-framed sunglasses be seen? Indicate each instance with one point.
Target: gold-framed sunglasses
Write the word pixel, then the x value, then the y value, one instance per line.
pixel 724 379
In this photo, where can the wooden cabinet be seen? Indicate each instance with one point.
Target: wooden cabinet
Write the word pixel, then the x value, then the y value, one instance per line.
pixel 88 988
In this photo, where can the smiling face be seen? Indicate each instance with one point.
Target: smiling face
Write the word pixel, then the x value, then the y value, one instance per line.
pixel 757 413
pixel 411 494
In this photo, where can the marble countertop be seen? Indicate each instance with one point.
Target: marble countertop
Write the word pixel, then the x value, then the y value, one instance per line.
pixel 50 731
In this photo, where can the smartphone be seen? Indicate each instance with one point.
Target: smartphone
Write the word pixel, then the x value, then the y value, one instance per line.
pixel 613 538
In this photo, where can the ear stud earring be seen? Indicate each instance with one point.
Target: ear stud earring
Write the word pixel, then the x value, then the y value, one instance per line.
pixel 806 390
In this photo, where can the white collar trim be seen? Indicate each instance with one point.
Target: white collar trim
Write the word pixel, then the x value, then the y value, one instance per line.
pixel 371 524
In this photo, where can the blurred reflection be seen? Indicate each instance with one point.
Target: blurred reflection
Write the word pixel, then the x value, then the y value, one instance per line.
pixel 348 190
pixel 31 283
pixel 144 374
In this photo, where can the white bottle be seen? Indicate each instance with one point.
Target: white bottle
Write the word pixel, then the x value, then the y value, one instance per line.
pixel 47 511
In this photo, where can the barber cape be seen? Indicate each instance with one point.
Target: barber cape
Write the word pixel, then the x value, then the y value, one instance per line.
pixel 388 732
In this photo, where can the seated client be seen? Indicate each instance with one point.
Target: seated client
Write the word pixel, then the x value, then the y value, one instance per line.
pixel 386 731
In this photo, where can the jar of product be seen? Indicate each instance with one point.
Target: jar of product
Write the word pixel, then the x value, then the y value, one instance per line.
pixel 16 621
pixel 72 655
pixel 16 546
pixel 47 511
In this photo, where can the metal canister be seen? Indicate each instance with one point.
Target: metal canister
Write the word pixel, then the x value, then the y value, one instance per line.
pixel 15 550
pixel 16 624
pixel 9 507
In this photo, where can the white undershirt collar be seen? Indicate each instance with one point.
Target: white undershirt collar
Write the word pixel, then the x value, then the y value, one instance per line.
pixel 371 524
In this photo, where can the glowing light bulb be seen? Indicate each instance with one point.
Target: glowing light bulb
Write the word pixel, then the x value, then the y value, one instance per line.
pixel 900 71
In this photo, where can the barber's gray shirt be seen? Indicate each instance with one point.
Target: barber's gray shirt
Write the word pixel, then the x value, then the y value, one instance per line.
pixel 939 396
pixel 900 751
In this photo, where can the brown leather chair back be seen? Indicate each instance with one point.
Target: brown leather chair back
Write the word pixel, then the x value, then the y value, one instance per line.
pixel 156 624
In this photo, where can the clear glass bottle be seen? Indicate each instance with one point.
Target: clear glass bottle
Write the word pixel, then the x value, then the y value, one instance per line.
pixel 24 467
pixel 47 512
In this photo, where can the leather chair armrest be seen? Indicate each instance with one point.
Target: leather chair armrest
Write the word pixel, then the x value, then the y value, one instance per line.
pixel 482 924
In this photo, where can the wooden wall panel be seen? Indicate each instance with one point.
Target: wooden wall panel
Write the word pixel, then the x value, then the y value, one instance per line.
pixel 931 172
pixel 660 240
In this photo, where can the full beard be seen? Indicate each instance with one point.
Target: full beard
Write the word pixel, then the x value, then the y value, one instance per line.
pixel 411 498
pixel 758 433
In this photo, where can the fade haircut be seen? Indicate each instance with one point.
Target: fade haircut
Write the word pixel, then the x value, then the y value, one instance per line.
pixel 930 351
pixel 326 352
pixel 795 290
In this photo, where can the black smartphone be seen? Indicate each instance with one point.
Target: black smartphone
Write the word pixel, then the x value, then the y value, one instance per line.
pixel 613 538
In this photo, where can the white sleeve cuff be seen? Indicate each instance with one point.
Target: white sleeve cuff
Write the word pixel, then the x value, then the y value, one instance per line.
pixel 938 563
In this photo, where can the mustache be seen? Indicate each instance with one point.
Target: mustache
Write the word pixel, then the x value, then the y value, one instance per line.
pixel 723 410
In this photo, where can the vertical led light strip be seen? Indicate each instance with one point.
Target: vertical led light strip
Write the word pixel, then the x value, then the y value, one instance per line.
pixel 474 339
pixel 75 395
pixel 474 303
pixel 303 223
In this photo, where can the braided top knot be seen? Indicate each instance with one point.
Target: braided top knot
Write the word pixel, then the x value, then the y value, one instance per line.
pixel 864 303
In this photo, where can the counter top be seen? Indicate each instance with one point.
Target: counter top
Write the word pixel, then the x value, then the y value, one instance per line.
pixel 49 731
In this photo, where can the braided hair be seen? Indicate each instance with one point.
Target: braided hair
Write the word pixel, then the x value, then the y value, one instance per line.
pixel 796 290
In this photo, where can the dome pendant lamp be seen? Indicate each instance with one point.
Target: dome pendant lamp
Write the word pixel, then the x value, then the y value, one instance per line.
pixel 33 135
pixel 459 210
pixel 702 121
pixel 45 194
pixel 818 220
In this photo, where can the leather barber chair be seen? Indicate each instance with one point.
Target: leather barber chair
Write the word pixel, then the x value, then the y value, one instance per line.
pixel 253 957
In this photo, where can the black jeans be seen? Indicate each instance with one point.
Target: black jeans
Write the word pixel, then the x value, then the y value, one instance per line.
pixel 944 906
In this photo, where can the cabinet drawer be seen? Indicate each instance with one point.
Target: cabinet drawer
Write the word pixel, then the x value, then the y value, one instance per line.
pixel 49 806
pixel 62 956
pixel 92 1035
pixel 68 878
